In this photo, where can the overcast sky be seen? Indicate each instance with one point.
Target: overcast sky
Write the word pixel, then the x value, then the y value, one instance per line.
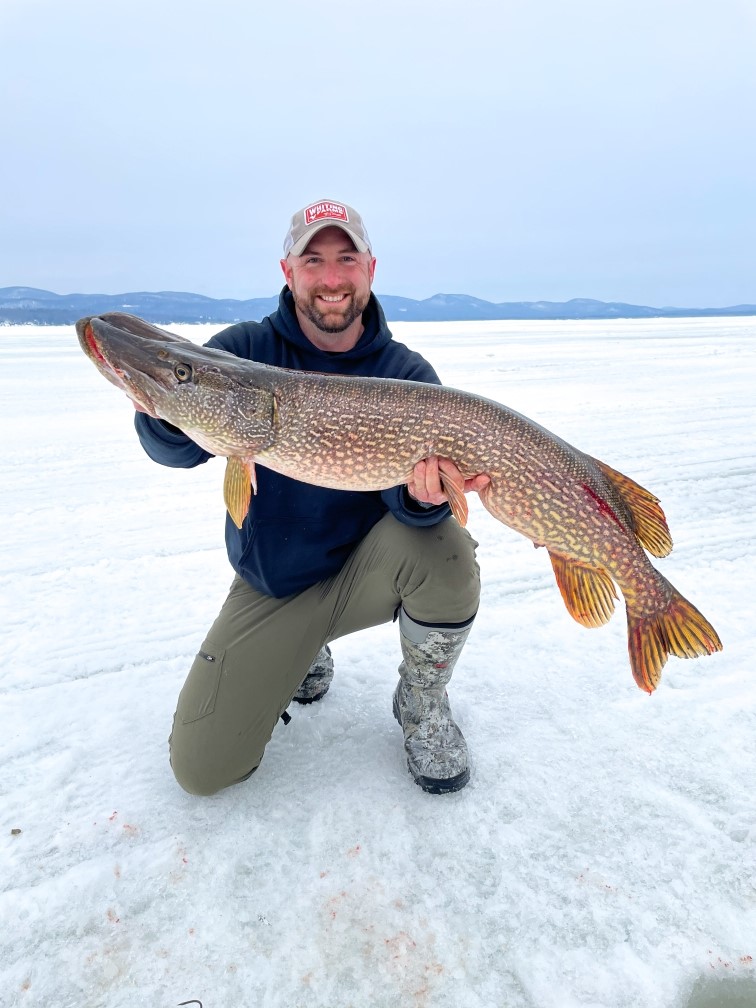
pixel 537 149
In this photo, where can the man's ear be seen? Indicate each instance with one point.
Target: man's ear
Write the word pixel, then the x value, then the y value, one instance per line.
pixel 286 267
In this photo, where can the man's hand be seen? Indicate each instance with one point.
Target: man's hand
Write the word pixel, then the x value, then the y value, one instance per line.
pixel 425 483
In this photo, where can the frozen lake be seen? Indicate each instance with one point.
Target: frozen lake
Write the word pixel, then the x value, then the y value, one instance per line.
pixel 604 853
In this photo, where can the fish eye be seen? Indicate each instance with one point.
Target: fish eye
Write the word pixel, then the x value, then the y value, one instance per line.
pixel 183 372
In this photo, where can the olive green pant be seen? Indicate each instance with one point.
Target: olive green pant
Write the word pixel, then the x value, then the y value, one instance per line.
pixel 259 649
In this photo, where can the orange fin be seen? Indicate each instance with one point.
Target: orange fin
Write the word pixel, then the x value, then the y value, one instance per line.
pixel 455 491
pixel 588 592
pixel 679 630
pixel 649 522
pixel 237 487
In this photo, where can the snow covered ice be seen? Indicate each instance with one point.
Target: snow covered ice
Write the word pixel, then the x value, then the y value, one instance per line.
pixel 603 855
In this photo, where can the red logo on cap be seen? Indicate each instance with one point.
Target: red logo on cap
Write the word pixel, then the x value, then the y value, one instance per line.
pixel 321 211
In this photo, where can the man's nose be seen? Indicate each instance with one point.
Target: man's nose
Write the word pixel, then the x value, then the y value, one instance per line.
pixel 332 274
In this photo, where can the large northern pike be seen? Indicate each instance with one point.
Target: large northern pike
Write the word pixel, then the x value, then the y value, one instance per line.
pixel 368 433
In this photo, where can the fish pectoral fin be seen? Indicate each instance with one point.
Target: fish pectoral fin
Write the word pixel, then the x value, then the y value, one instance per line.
pixel 649 521
pixel 588 592
pixel 237 487
pixel 455 492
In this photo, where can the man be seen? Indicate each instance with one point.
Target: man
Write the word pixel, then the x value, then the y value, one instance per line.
pixel 314 564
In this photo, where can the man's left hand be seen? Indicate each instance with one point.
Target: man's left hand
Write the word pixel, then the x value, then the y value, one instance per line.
pixel 425 483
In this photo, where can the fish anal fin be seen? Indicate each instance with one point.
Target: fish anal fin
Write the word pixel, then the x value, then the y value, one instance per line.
pixel 679 630
pixel 455 492
pixel 588 592
pixel 237 487
pixel 649 522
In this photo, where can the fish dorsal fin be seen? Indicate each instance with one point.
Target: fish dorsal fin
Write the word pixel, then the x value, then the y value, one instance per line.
pixel 455 491
pixel 588 592
pixel 649 522
pixel 238 486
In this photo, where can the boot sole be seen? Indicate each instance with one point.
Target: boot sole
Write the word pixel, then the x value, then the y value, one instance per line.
pixel 444 786
pixel 434 785
pixel 312 699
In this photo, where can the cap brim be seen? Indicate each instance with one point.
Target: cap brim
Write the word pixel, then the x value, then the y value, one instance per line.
pixel 299 246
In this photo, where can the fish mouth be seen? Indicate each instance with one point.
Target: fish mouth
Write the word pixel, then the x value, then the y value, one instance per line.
pixel 94 347
pixel 95 351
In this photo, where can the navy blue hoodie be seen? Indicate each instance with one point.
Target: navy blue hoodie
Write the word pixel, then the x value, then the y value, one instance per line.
pixel 296 534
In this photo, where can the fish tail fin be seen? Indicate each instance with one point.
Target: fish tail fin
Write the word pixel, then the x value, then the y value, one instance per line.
pixel 680 629
pixel 649 521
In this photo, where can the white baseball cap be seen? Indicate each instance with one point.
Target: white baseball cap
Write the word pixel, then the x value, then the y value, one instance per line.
pixel 306 223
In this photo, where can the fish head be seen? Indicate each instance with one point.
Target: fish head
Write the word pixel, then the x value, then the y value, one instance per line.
pixel 225 404
pixel 134 325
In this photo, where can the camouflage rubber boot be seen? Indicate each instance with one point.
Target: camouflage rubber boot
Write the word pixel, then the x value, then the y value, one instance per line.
pixel 315 684
pixel 436 749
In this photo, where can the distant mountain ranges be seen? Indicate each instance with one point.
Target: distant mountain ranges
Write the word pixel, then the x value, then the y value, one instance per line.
pixel 20 305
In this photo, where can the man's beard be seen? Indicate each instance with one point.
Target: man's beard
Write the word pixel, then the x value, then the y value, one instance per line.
pixel 356 306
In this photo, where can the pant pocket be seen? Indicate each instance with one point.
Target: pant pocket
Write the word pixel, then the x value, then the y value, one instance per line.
pixel 198 697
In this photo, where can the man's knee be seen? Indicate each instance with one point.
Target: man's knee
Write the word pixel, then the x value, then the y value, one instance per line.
pixel 446 578
pixel 195 784
pixel 200 771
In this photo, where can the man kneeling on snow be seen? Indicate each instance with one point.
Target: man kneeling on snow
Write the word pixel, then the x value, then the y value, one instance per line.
pixel 314 564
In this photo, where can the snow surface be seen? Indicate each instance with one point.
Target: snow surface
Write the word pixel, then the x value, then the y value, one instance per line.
pixel 602 855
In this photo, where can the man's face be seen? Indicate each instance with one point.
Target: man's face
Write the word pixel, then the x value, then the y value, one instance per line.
pixel 330 281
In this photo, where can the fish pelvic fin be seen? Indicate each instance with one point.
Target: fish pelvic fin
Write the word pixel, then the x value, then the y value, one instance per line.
pixel 455 492
pixel 649 521
pixel 588 592
pixel 680 630
pixel 237 487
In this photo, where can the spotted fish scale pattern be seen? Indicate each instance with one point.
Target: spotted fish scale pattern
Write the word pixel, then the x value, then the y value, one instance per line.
pixel 355 433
